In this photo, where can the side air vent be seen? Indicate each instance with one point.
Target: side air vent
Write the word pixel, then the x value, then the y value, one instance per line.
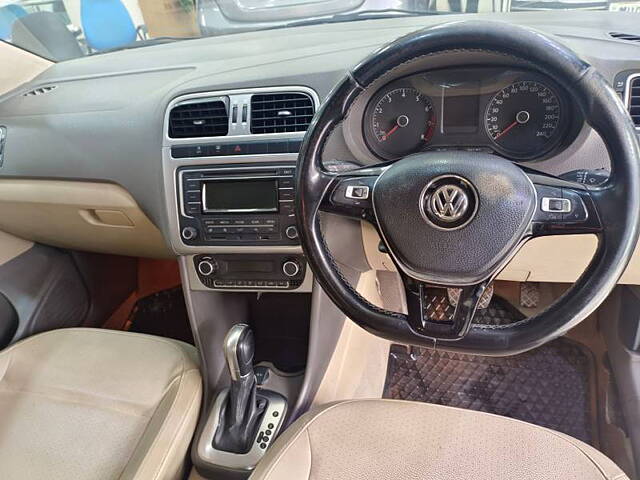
pixel 199 119
pixel 39 91
pixel 281 112
pixel 628 37
pixel 634 100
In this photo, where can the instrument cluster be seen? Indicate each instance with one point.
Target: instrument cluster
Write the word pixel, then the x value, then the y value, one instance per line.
pixel 519 114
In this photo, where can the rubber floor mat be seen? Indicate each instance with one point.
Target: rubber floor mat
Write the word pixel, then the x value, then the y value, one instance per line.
pixel 549 386
pixel 164 314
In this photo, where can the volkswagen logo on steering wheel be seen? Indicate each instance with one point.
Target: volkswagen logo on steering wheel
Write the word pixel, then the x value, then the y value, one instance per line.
pixel 448 202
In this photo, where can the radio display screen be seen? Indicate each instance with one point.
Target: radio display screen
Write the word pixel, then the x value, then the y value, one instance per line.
pixel 229 196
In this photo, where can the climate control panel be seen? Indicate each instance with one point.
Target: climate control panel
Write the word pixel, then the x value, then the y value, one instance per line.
pixel 251 271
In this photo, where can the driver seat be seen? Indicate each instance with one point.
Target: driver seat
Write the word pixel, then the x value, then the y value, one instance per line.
pixel 391 439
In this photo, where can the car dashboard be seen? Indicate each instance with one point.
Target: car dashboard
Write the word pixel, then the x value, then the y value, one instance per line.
pixel 189 149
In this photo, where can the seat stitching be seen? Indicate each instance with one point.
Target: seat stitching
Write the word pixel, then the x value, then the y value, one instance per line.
pixel 146 428
pixel 155 410
pixel 71 402
pixel 93 331
pixel 310 454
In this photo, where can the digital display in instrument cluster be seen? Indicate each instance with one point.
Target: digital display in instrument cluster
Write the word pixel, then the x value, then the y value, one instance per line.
pixel 516 113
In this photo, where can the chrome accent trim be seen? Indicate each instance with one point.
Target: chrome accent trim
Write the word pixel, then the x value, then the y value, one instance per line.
pixel 234 168
pixel 276 403
pixel 231 350
pixel 349 192
pixel 422 201
pixel 627 95
pixel 546 207
pixel 238 131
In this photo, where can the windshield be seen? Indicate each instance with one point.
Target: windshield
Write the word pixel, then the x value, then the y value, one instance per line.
pixel 65 29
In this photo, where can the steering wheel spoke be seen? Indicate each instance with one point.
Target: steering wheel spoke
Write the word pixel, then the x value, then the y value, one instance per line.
pixel 351 194
pixel 453 328
pixel 564 208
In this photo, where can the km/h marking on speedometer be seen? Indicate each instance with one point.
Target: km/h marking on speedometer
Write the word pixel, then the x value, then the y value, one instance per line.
pixel 523 118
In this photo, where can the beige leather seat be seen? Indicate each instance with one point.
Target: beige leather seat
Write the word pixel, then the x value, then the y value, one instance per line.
pixel 387 439
pixel 97 404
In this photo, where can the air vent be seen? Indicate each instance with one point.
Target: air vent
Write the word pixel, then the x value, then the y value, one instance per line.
pixel 281 112
pixel 199 119
pixel 39 91
pixel 634 100
pixel 628 37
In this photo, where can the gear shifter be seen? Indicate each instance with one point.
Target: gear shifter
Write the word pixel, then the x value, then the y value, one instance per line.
pixel 241 414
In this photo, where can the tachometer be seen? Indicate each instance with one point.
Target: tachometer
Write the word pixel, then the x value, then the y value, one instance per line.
pixel 399 122
pixel 523 119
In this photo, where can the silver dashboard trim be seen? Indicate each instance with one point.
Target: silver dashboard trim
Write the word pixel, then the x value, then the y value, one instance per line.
pixel 274 414
pixel 171 165
pixel 240 130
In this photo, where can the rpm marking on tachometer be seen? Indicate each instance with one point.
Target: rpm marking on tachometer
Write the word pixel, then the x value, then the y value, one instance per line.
pixel 402 120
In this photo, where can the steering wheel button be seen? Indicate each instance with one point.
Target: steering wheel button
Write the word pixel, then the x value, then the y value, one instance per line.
pixel 357 192
pixel 556 205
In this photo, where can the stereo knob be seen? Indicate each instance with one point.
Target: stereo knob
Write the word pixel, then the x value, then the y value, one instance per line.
pixel 189 233
pixel 291 232
pixel 207 267
pixel 290 268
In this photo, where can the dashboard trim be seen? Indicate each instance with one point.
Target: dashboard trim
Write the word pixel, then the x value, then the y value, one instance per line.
pixel 170 166
pixel 627 94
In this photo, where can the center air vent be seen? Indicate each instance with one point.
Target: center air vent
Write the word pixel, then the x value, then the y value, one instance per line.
pixel 634 100
pixel 199 119
pixel 281 112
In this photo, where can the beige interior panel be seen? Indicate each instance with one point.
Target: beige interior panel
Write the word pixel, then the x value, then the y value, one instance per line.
pixel 560 258
pixel 11 247
pixel 23 66
pixel 358 366
pixel 97 217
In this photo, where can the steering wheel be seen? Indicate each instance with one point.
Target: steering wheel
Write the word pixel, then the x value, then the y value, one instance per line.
pixel 455 219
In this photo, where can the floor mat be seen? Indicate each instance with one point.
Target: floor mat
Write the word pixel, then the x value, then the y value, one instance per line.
pixel 164 314
pixel 549 386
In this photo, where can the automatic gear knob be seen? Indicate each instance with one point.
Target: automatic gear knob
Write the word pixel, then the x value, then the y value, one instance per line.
pixel 239 349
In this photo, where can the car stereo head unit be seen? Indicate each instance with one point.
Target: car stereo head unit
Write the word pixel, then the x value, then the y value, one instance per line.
pixel 237 205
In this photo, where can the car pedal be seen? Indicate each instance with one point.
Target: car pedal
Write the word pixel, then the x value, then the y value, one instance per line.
pixel 529 295
pixel 453 295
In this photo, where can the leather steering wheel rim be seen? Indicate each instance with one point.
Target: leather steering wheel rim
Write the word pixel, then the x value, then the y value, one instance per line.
pixel 618 199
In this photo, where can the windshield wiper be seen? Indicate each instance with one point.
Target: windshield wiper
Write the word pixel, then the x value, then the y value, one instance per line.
pixel 362 15
pixel 145 43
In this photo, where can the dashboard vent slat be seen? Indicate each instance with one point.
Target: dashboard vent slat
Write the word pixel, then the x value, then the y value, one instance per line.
pixel 634 100
pixel 628 37
pixel 281 112
pixel 201 119
pixel 40 91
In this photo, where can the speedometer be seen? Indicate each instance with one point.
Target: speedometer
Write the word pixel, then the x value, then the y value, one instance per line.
pixel 524 119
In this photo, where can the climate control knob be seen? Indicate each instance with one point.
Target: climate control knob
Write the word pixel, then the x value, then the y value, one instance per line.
pixel 290 268
pixel 189 233
pixel 207 267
